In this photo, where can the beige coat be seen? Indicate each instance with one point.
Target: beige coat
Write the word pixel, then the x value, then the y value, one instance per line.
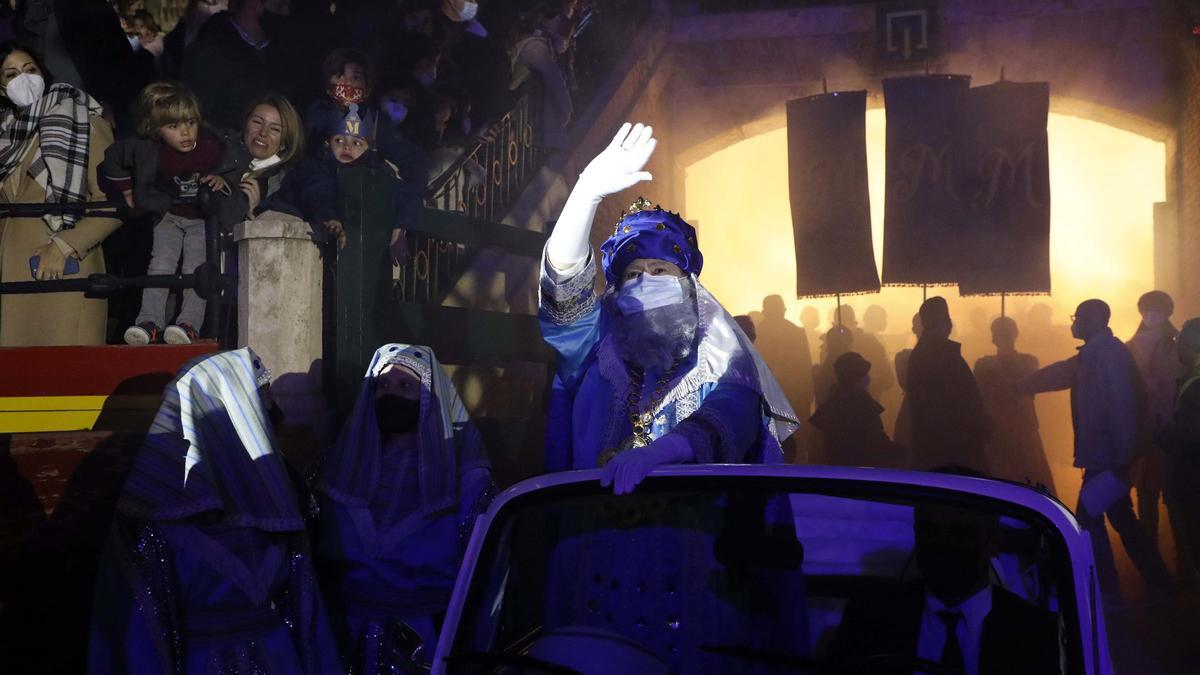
pixel 53 318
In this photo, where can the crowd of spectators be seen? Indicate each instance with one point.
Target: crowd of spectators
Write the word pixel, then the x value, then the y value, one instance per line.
pixel 408 86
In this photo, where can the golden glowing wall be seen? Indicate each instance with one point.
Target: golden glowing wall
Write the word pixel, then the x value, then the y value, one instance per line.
pixel 1104 182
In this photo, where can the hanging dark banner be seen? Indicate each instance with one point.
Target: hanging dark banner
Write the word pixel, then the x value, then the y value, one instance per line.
pixel 831 206
pixel 923 210
pixel 1003 168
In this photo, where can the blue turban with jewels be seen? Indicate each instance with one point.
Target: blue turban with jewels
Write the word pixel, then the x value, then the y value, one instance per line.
pixel 647 232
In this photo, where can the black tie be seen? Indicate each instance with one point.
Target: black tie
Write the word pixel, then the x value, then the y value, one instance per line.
pixel 952 655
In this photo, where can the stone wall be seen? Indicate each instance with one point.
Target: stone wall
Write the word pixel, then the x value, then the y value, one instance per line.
pixel 1188 170
pixel 1107 60
pixel 1127 63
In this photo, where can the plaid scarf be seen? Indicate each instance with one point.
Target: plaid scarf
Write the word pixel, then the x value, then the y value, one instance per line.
pixel 59 121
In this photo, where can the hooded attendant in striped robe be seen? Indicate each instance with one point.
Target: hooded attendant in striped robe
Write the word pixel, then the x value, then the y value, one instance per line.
pixel 207 568
pixel 399 493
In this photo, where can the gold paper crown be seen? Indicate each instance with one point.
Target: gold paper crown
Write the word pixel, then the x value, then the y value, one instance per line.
pixel 639 205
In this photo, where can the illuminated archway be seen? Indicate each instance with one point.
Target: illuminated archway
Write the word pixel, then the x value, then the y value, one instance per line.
pixel 1104 182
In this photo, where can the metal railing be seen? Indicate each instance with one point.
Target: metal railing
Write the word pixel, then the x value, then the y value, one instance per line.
pixel 208 280
pixel 486 180
pixel 482 184
pixel 489 176
pixel 432 270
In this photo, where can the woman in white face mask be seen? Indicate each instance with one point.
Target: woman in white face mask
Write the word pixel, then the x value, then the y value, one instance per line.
pixel 52 137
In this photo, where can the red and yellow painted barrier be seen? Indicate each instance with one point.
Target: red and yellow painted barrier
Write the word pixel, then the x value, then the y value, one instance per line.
pixel 109 388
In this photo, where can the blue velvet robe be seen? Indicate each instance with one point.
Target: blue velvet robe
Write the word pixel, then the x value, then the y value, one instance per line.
pixel 722 399
pixel 394 521
pixel 375 574
pixel 660 586
pixel 207 598
pixel 207 568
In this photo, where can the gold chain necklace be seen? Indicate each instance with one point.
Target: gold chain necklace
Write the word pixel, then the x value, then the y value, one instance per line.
pixel 639 421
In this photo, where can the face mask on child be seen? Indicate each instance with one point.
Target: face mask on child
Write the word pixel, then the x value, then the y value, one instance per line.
pixel 396 111
pixel 25 89
pixel 346 94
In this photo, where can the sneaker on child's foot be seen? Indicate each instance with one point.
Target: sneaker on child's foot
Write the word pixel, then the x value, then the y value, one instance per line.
pixel 145 333
pixel 180 334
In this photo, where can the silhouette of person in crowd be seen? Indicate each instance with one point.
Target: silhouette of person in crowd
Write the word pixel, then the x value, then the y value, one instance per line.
pixel 747 325
pixel 1154 352
pixel 1181 439
pixel 849 431
pixel 784 346
pixel 810 319
pixel 867 343
pixel 903 430
pixel 1015 449
pixel 836 342
pixel 1104 412
pixel 949 424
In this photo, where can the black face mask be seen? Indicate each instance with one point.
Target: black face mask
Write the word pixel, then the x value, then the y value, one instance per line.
pixel 396 414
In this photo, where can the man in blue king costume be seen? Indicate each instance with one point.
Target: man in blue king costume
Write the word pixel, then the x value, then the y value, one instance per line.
pixel 653 370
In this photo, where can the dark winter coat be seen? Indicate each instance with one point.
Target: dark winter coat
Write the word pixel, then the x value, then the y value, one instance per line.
pixel 949 422
pixel 310 191
pixel 226 73
pixel 1105 401
pixel 136 159
pixel 852 433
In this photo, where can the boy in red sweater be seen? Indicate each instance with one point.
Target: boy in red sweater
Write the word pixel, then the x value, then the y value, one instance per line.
pixel 162 172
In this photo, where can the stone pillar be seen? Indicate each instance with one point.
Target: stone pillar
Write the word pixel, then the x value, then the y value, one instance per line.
pixel 279 311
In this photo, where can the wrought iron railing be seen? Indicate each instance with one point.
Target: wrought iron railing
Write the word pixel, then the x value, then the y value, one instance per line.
pixel 485 182
pixel 482 184
pixel 433 269
pixel 489 177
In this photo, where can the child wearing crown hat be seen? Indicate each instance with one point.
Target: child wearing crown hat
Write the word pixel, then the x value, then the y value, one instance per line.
pixel 311 191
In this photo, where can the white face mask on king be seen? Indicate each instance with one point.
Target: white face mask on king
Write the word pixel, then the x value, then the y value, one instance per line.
pixel 648 292
pixel 25 89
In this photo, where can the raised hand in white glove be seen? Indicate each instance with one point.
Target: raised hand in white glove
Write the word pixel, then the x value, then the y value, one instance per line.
pixel 620 166
pixel 617 168
pixel 628 468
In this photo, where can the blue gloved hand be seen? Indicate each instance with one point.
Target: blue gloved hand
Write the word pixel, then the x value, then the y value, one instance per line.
pixel 627 469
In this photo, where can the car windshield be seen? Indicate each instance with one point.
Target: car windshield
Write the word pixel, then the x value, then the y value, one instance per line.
pixel 708 575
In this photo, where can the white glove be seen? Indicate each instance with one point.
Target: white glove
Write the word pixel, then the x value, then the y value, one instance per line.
pixel 628 468
pixel 618 168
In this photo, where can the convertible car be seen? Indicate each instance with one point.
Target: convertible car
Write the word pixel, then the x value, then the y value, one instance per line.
pixel 772 569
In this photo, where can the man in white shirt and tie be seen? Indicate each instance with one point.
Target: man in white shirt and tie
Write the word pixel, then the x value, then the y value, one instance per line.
pixel 952 617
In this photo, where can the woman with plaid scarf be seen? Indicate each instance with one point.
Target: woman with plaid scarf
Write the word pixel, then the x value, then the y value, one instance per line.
pixel 52 138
